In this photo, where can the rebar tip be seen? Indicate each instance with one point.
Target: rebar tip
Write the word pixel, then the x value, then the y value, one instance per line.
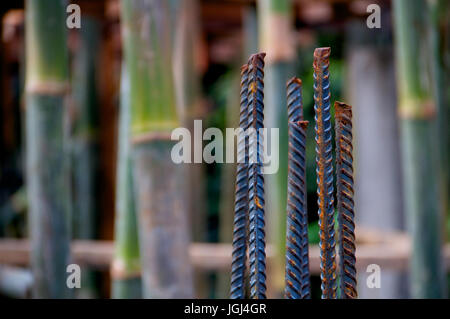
pixel 322 53
pixel 321 58
pixel 294 99
pixel 342 108
pixel 260 55
pixel 303 124
pixel 294 80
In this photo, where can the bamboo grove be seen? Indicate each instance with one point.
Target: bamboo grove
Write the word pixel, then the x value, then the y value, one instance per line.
pixel 159 215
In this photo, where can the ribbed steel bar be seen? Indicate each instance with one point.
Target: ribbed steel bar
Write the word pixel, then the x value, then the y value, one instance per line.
pixel 297 264
pixel 257 242
pixel 324 172
pixel 345 204
pixel 239 255
pixel 294 100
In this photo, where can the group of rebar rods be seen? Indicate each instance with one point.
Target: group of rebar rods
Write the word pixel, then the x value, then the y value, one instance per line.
pixel 344 182
pixel 249 220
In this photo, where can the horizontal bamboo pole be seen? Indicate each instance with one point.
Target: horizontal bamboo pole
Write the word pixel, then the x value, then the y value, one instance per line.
pixel 15 282
pixel 389 251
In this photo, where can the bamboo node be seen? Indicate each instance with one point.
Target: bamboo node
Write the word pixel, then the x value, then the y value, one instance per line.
pixel 51 88
pixel 151 137
pixel 412 110
pixel 120 271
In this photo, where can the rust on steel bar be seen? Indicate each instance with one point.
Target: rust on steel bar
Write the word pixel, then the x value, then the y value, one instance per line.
pixel 324 171
pixel 294 100
pixel 257 241
pixel 297 283
pixel 239 254
pixel 345 204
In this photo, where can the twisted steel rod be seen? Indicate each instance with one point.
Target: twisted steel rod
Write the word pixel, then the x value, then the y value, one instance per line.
pixel 324 172
pixel 345 204
pixel 297 263
pixel 239 254
pixel 294 100
pixel 257 242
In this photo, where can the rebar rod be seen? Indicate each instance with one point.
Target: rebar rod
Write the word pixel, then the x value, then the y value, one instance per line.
pixel 345 204
pixel 239 254
pixel 257 241
pixel 294 100
pixel 324 172
pixel 297 264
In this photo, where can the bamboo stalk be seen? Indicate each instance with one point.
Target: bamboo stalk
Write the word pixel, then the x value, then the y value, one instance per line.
pixel 440 30
pixel 47 162
pixel 419 148
pixel 188 100
pixel 126 267
pixel 84 141
pixel 375 112
pixel 84 129
pixel 162 216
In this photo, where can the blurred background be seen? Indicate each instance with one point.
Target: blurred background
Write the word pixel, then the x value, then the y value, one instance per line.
pixel 85 113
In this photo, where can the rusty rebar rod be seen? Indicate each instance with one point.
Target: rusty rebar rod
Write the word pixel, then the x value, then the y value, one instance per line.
pixel 239 255
pixel 297 264
pixel 324 172
pixel 345 204
pixel 294 100
pixel 257 242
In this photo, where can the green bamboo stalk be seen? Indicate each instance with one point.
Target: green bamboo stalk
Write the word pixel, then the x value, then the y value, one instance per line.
pixel 148 60
pixel 84 141
pixel 275 38
pixel 440 16
pixel 420 146
pixel 47 161
pixel 163 224
pixel 126 268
